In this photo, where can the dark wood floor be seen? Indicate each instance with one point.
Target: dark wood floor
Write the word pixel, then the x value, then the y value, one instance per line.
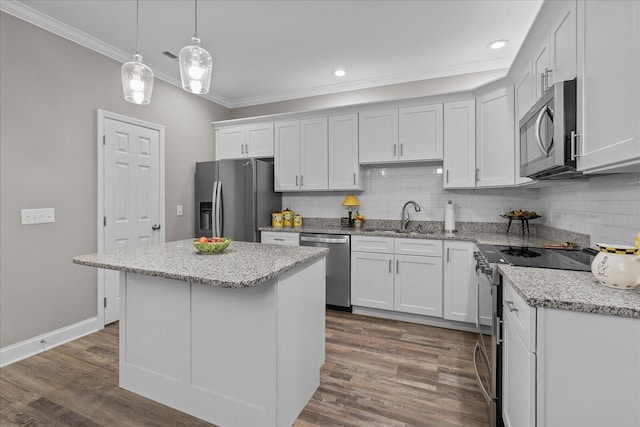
pixel 377 373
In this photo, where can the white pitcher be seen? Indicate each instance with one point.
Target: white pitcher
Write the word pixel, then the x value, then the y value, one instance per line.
pixel 617 266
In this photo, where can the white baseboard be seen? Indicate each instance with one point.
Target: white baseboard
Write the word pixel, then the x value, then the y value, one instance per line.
pixel 414 318
pixel 32 346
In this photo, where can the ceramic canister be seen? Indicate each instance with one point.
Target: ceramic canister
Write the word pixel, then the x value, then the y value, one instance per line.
pixel 276 219
pixel 297 220
pixel 287 218
pixel 617 266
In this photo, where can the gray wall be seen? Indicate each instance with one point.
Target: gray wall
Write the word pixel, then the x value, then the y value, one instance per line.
pixel 439 86
pixel 50 91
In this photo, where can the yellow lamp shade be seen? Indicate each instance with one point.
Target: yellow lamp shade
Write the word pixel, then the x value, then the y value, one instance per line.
pixel 350 200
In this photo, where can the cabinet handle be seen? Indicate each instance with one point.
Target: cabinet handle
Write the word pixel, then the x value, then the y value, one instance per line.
pixel 246 149
pixel 397 267
pixel 296 180
pixel 574 145
pixel 394 150
pixel 401 150
pixel 477 171
pixel 301 180
pixel 510 306
pixel 448 249
pixel 354 179
pixel 447 174
pixel 242 149
pixel 389 266
pixel 499 332
pixel 278 239
pixel 546 78
pixel 542 83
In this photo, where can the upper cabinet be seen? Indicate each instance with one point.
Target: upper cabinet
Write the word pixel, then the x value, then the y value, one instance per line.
pixel 459 162
pixel 401 135
pixel 608 119
pixel 301 155
pixel 237 142
pixel 344 167
pixel 523 102
pixel 495 138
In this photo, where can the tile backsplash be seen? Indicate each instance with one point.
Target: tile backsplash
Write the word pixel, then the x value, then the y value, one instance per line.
pixel 607 208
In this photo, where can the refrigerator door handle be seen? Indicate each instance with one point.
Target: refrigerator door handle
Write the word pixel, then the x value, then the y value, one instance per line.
pixel 217 225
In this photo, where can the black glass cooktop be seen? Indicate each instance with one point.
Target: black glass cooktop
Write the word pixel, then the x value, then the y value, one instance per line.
pixel 561 259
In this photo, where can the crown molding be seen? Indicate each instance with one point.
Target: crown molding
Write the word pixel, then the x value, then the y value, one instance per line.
pixel 47 23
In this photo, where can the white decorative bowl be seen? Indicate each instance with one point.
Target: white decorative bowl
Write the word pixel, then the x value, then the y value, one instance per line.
pixel 617 266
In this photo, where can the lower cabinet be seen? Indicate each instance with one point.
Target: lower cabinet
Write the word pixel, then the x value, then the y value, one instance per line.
pixel 402 275
pixel 280 238
pixel 565 368
pixel 460 295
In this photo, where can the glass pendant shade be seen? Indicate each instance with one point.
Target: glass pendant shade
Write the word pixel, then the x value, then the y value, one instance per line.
pixel 137 81
pixel 195 68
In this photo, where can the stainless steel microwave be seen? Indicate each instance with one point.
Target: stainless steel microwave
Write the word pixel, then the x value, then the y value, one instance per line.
pixel 548 135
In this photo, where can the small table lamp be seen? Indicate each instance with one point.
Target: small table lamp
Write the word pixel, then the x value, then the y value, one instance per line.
pixel 350 201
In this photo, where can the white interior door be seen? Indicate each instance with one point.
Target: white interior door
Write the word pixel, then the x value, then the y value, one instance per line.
pixel 133 195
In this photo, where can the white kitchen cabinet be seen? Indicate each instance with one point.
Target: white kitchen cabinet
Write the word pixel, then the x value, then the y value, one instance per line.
pixel 344 164
pixel 386 274
pixel 252 140
pixel 280 238
pixel 541 70
pixel 301 155
pixel 420 133
pixel 378 136
pixel 608 119
pixel 460 282
pixel 460 144
pixel 523 102
pixel 556 360
pixel 495 138
pixel 407 134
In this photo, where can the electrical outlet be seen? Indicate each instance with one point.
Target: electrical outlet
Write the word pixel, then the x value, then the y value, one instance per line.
pixel 179 210
pixel 38 216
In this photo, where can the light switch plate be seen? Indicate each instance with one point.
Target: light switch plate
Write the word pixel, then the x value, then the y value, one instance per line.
pixel 38 216
pixel 179 210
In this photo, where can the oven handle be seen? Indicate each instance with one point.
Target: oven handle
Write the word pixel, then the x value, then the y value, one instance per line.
pixel 485 394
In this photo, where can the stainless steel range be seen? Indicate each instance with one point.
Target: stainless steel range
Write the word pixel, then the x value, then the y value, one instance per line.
pixel 488 349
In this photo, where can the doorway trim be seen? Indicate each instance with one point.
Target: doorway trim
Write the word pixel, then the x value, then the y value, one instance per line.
pixel 101 115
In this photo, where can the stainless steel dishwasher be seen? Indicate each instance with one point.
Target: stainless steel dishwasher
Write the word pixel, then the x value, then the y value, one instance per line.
pixel 338 265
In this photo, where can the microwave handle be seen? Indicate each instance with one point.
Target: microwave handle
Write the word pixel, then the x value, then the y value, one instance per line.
pixel 544 111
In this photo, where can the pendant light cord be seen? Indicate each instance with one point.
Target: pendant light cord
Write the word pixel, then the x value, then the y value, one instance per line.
pixel 196 20
pixel 137 25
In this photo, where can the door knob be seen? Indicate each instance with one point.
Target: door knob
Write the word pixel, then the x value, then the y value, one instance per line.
pixel 155 227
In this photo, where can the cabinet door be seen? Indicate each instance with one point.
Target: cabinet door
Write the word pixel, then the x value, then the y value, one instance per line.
pixel 495 144
pixel 372 280
pixel 608 86
pixel 418 285
pixel 460 144
pixel 378 136
pixel 518 379
pixel 459 282
pixel 523 101
pixel 344 166
pixel 314 154
pixel 230 143
pixel 420 133
pixel 287 156
pixel 562 45
pixel 259 140
pixel 541 66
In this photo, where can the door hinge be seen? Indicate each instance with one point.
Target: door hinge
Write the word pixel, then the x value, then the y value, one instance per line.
pixel 104 139
pixel 104 221
pixel 105 302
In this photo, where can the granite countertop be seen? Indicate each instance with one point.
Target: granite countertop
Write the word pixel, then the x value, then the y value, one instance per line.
pixel 242 265
pixel 571 290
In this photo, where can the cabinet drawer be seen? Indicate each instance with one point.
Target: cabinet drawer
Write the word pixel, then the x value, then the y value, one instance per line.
pixel 522 316
pixel 372 244
pixel 280 238
pixel 418 247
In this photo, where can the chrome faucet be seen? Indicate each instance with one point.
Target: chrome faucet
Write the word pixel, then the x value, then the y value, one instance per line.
pixel 405 222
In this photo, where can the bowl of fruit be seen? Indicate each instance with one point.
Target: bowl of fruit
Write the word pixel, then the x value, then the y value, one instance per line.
pixel 211 245
pixel 520 215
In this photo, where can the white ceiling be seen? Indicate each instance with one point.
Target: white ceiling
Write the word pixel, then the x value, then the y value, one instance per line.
pixel 271 50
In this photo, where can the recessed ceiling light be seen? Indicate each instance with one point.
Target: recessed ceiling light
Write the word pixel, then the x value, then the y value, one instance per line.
pixel 339 72
pixel 498 44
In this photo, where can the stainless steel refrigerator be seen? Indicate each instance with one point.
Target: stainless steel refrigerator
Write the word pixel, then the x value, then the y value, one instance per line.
pixel 234 197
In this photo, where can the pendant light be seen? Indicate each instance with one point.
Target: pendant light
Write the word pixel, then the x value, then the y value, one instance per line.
pixel 195 64
pixel 137 78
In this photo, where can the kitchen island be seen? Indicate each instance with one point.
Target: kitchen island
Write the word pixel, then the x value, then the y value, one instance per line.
pixel 236 339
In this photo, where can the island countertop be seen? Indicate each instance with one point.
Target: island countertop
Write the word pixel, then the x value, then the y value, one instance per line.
pixel 242 265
